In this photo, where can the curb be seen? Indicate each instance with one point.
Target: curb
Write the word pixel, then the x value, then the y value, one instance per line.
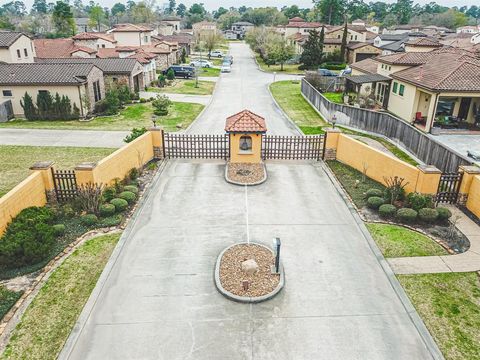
pixel 241 184
pixel 246 299
pixel 87 309
pixel 422 330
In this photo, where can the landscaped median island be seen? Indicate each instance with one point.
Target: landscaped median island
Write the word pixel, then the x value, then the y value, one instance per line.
pixel 16 160
pixel 135 115
pixel 287 68
pixel 49 319
pixel 187 87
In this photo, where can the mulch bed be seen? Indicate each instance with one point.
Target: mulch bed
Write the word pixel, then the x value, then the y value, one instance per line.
pixel 245 173
pixel 261 283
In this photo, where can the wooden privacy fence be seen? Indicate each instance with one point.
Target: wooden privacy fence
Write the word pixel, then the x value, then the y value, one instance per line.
pixel 275 147
pixel 421 145
pixel 186 146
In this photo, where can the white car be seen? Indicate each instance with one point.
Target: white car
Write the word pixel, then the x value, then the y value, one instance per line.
pixel 226 68
pixel 201 63
pixel 216 53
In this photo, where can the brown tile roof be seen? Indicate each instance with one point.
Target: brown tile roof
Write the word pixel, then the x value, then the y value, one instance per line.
pixel 94 36
pixel 423 41
pixel 7 38
pixel 357 45
pixel 296 19
pixel 368 66
pixel 112 65
pixel 357 28
pixel 45 48
pixel 305 24
pixel 44 74
pixel 183 38
pixel 245 121
pixel 130 28
pixel 406 58
pixel 84 49
pixel 330 41
pixel 444 72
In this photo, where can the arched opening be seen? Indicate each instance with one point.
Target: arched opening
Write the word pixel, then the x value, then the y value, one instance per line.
pixel 245 143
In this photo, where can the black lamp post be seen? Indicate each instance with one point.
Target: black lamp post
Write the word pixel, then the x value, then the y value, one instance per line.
pixel 334 121
pixel 154 120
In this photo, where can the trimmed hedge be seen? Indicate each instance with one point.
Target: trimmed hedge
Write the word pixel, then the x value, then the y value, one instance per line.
pixel 131 188
pixel 59 229
pixel 387 211
pixel 120 204
pixel 407 215
pixel 89 219
pixel 443 213
pixel 428 215
pixel 128 196
pixel 374 192
pixel 107 210
pixel 375 202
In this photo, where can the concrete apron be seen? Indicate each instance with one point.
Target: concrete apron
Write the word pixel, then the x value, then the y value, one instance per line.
pixel 156 297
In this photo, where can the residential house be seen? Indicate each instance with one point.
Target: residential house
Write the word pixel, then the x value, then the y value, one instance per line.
pixel 83 25
pixel 230 35
pixel 82 83
pixel 463 41
pixel 360 51
pixel 394 43
pixel 94 40
pixel 403 29
pixel 16 47
pixel 469 29
pixel 297 25
pixel 131 35
pixel 124 71
pixel 203 27
pixel 175 22
pixel 422 44
pixel 184 41
pixel 240 28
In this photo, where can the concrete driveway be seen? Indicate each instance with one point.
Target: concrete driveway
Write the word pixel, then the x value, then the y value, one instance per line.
pixel 157 299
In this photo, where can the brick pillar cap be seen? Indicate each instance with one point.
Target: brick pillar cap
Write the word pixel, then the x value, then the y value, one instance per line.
pixel 86 166
pixel 155 129
pixel 429 169
pixel 470 169
pixel 332 130
pixel 42 165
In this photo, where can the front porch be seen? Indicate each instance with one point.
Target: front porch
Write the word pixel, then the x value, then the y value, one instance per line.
pixel 372 90
pixel 447 112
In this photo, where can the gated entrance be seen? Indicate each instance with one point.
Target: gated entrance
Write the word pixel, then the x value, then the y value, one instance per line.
pixel 65 184
pixel 187 146
pixel 276 147
pixel 449 187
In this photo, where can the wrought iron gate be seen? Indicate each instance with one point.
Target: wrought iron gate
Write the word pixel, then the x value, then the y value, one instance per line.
pixel 65 184
pixel 189 146
pixel 276 147
pixel 449 187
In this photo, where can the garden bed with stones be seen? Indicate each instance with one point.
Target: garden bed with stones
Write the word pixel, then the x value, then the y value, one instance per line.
pixel 244 273
pixel 245 173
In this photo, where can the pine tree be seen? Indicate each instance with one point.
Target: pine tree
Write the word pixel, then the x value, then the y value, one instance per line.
pixel 312 53
pixel 44 105
pixel 343 48
pixel 28 107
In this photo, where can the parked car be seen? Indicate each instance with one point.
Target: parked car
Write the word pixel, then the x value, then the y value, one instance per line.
pixel 326 72
pixel 201 63
pixel 346 71
pixel 184 71
pixel 216 53
pixel 228 58
pixel 226 68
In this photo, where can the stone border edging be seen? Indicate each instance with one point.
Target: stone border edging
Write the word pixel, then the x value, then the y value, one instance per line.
pixel 246 299
pixel 242 184
pixel 417 321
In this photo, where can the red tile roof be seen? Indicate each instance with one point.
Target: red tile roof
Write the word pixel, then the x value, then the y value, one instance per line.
pixel 245 121
pixel 130 28
pixel 310 25
pixel 94 36
pixel 84 49
pixel 296 19
pixel 368 66
pixel 423 41
pixel 45 48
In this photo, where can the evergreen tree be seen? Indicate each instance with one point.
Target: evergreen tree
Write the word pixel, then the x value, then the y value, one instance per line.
pixel 62 18
pixel 312 53
pixel 28 107
pixel 343 48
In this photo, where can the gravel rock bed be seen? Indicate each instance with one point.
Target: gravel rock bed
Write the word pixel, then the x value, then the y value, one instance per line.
pixel 263 282
pixel 245 173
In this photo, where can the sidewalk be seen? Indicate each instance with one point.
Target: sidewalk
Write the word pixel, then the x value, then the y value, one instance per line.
pixel 465 262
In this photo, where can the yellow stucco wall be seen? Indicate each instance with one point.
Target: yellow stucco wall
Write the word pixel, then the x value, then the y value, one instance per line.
pixel 9 55
pixel 355 154
pixel 30 192
pixel 473 202
pixel 238 156
pixel 403 106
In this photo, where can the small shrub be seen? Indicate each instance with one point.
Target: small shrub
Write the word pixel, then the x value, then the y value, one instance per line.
pixel 113 220
pixel 161 105
pixel 152 166
pixel 443 213
pixel 131 188
pixel 128 196
pixel 143 100
pixel 89 197
pixel 375 202
pixel 107 210
pixel 162 81
pixel 136 132
pixel 59 229
pixel 89 219
pixel 109 193
pixel 395 189
pixel 170 74
pixel 120 204
pixel 419 201
pixel 387 211
pixel 133 174
pixel 428 215
pixel 407 215
pixel 67 211
pixel 117 184
pixel 373 192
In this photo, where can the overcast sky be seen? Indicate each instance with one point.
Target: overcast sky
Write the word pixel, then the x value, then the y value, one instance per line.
pixel 215 4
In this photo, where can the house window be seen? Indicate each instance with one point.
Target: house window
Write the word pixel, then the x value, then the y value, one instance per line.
pixel 103 46
pixel 389 68
pixel 245 143
pixel 356 37
pixel 19 55
pixel 402 90
pixel 7 93
pixel 96 91
pixel 25 52
pixel 395 87
pixel 338 36
pixel 145 39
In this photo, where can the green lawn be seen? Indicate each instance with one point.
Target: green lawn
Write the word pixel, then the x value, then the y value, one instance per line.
pixel 397 241
pixel 48 320
pixel 209 72
pixel 187 87
pixel 16 160
pixel 288 95
pixel 336 97
pixel 287 68
pixel 137 115
pixel 348 177
pixel 449 304
pixel 8 298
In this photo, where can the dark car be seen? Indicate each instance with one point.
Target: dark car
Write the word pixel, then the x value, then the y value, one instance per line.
pixel 326 72
pixel 181 71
